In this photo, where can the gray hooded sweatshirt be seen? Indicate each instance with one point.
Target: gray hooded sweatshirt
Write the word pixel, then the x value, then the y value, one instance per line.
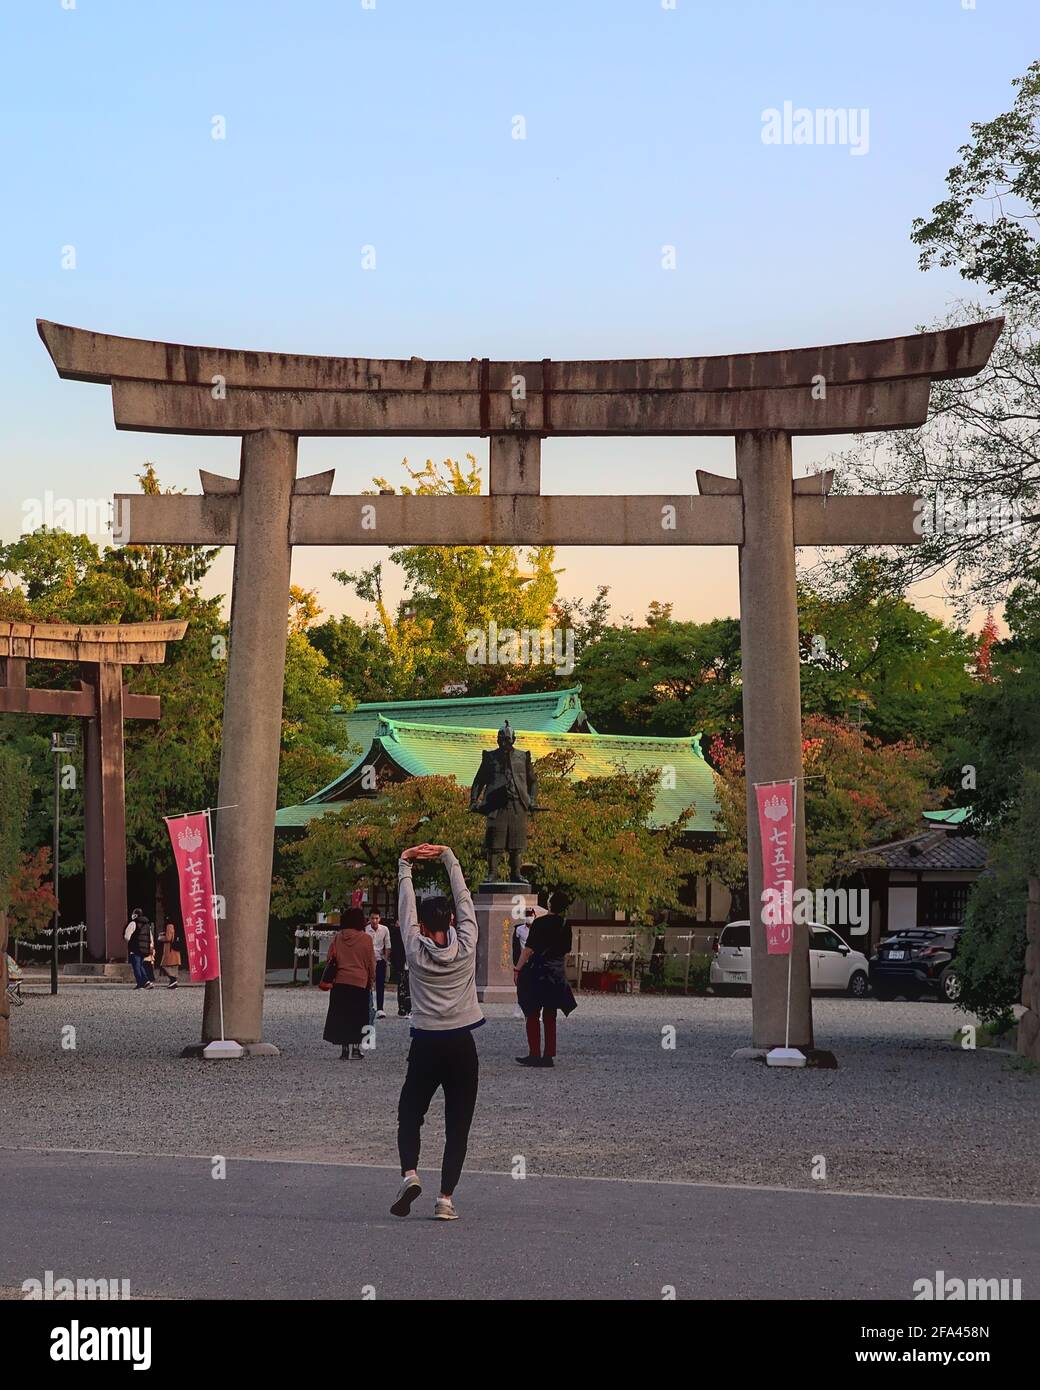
pixel 442 979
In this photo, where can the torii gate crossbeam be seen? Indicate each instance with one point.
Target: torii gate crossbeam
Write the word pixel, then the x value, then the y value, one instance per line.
pixel 271 399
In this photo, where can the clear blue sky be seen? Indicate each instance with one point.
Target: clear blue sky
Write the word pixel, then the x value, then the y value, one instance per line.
pixel 392 126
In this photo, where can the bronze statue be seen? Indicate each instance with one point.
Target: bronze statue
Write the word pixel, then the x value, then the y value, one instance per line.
pixel 504 790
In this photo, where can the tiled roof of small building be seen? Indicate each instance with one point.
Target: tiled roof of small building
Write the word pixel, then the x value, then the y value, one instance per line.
pixel 934 850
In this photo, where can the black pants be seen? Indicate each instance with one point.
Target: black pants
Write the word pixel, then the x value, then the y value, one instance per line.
pixel 380 982
pixel 451 1063
pixel 404 994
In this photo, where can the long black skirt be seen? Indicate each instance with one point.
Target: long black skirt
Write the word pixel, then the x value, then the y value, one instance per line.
pixel 542 984
pixel 347 1016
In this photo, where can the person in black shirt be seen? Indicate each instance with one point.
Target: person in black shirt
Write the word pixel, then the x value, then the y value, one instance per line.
pixel 541 984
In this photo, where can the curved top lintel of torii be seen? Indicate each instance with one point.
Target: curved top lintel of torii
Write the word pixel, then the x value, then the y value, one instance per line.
pixel 82 355
pixel 129 644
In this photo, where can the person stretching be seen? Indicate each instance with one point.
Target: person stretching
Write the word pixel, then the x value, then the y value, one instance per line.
pixel 440 946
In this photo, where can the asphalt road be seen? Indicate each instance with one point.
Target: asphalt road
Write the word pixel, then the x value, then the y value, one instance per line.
pixel 321 1231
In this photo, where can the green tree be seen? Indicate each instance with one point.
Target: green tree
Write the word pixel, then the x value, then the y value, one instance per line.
pixel 982 437
pixel 172 765
pixel 872 658
pixel 991 958
pixel 14 799
pixel 591 841
pixel 998 757
pixel 986 225
pixel 362 843
pixel 154 579
pixel 357 654
pixel 452 592
pixel 665 678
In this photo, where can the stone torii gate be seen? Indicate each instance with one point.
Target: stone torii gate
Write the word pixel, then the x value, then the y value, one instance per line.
pixel 271 399
pixel 104 702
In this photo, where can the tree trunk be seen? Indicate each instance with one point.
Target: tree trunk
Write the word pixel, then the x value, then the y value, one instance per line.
pixel 5 1007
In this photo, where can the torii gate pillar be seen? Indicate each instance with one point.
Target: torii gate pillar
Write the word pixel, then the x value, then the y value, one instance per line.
pixel 104 813
pixel 252 733
pixel 771 688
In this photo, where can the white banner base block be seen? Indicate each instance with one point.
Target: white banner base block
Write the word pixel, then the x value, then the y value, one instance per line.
pixel 217 1051
pixel 785 1057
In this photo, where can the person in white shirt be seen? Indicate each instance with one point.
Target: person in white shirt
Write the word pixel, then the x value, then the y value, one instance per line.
pixel 380 934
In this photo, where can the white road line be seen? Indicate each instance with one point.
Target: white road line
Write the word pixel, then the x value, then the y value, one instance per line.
pixel 556 1177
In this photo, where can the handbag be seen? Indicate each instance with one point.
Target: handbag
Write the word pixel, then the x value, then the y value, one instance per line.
pixel 328 975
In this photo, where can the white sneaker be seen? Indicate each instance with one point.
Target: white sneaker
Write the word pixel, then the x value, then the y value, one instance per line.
pixel 408 1191
pixel 380 1013
pixel 444 1210
pixel 518 1011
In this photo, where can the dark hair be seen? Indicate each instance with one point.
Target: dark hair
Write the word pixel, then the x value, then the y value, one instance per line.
pixel 435 914
pixel 353 918
pixel 559 903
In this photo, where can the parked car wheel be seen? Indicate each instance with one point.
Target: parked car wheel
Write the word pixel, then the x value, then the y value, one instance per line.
pixel 949 985
pixel 859 985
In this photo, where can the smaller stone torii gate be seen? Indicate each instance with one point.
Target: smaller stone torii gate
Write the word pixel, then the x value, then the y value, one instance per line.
pixel 104 702
pixel 271 399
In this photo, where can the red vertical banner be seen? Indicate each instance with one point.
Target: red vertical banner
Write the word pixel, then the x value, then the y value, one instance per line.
pixel 191 851
pixel 776 828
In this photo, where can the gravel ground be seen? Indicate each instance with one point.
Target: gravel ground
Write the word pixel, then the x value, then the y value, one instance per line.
pixel 907 1111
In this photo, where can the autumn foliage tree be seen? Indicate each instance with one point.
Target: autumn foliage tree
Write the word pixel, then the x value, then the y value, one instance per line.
pixel 31 900
pixel 858 792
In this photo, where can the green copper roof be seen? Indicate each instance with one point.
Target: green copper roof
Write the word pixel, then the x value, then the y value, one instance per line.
pixel 299 817
pixel 423 750
pixel 550 711
pixel 956 815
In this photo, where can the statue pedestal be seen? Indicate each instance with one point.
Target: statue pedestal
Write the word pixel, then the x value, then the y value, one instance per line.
pixel 498 907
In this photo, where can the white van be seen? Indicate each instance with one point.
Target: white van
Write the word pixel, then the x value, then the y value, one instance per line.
pixel 833 964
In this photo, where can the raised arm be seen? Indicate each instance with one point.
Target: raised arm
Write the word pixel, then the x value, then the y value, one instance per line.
pixel 465 917
pixel 407 917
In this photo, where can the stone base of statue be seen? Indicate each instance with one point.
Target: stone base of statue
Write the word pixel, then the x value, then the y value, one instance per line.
pixel 498 906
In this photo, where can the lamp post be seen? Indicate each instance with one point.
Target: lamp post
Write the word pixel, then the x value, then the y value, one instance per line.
pixel 60 744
